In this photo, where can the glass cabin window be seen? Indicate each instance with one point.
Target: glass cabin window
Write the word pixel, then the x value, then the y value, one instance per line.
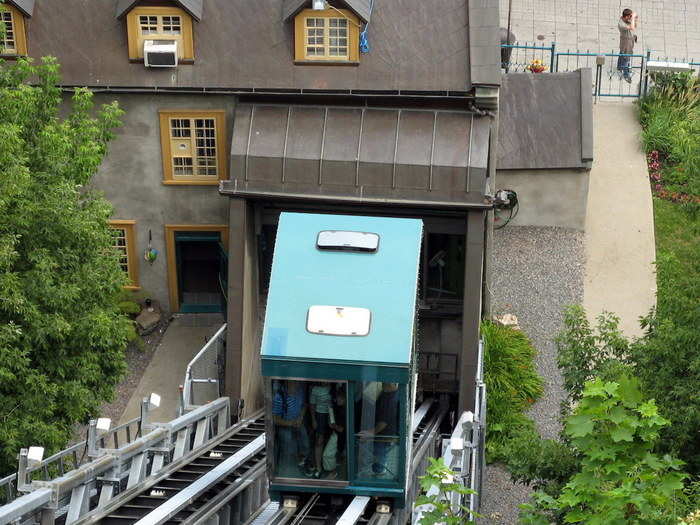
pixel 309 421
pixel 377 431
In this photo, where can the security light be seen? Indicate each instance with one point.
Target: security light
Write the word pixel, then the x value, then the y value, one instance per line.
pixel 35 455
pixel 318 5
pixel 154 401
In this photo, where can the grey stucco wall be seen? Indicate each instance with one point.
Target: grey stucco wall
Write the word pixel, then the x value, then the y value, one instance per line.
pixel 548 197
pixel 131 178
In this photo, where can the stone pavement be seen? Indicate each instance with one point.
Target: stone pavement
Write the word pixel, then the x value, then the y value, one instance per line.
pixel 669 28
pixel 619 235
pixel 184 337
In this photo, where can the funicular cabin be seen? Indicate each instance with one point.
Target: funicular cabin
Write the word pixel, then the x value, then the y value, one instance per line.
pixel 338 354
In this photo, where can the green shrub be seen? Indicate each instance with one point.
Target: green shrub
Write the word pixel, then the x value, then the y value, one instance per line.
pixel 620 480
pixel 512 384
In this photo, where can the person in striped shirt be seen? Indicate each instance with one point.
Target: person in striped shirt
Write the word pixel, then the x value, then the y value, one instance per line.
pixel 288 412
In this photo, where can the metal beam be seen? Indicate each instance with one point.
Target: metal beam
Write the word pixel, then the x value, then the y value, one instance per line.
pixel 183 498
pixel 24 504
pixel 354 511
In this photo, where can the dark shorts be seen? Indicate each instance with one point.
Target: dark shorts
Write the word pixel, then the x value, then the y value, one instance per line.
pixel 323 424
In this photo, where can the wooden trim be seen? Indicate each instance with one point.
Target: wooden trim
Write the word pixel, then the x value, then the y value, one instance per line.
pixel 20 30
pixel 219 115
pixel 353 37
pixel 185 52
pixel 131 255
pixel 170 230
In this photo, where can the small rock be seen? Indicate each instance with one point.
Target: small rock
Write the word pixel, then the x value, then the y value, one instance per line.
pixel 507 320
pixel 149 318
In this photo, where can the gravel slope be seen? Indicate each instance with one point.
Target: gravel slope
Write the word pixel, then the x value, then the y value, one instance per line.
pixel 537 272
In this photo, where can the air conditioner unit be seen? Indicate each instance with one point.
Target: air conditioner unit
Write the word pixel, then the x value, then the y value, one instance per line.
pixel 160 53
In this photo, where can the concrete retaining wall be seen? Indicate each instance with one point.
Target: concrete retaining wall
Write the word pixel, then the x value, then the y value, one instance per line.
pixel 548 197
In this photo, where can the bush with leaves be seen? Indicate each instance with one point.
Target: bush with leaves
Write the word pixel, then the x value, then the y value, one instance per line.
pixel 438 488
pixel 620 480
pixel 512 384
pixel 62 335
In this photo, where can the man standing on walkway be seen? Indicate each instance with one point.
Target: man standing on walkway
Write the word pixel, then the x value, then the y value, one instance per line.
pixel 628 27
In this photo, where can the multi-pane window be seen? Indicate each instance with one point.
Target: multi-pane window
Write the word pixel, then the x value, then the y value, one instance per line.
pixel 8 42
pixel 193 150
pixel 194 146
pixel 13 38
pixel 124 243
pixel 331 35
pixel 326 38
pixel 160 23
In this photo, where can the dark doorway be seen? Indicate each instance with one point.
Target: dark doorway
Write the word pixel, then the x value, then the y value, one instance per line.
pixel 201 271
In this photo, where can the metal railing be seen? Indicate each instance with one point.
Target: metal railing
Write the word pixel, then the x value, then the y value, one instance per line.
pixel 69 458
pixel 464 451
pixel 204 374
pixel 517 57
pixel 609 81
pixel 94 483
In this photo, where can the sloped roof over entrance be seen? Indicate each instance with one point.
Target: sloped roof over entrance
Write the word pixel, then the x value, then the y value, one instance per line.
pixel 25 6
pixel 193 7
pixel 364 155
pixel 362 8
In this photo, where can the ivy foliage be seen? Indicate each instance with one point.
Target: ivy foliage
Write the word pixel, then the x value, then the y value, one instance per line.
pixel 621 480
pixel 62 336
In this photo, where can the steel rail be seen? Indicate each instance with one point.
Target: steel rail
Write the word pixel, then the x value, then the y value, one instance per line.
pixel 186 496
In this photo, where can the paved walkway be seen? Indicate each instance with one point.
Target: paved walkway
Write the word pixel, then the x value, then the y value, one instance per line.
pixel 666 27
pixel 184 337
pixel 619 235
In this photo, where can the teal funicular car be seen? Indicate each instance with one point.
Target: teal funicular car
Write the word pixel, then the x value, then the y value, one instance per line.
pixel 338 354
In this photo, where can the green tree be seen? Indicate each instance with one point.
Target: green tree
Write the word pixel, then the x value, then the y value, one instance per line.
pixel 620 481
pixel 62 337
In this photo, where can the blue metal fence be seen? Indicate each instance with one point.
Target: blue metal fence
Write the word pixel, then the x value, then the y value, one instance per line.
pixel 609 81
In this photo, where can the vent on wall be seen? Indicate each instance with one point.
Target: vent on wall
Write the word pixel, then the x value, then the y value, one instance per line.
pixel 160 53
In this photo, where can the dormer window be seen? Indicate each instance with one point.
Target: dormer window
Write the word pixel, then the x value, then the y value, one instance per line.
pixel 169 24
pixel 167 27
pixel 13 39
pixel 327 36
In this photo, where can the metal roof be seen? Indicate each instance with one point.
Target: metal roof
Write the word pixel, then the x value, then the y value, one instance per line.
pixel 247 46
pixel 193 7
pixel 546 121
pixel 25 6
pixel 361 8
pixel 384 282
pixel 427 157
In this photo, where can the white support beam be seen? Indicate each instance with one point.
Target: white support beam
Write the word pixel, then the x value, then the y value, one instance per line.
pixel 354 511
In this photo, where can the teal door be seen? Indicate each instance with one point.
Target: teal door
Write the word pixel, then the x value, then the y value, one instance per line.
pixel 200 260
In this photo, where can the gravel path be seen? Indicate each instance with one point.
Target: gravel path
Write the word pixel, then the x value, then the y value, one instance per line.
pixel 537 272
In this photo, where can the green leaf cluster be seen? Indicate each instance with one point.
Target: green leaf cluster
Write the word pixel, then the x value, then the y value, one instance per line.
pixel 62 335
pixel 621 480
pixel 512 384
pixel 443 482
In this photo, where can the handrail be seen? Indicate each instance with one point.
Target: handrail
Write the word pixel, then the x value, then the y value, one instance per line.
pixel 188 382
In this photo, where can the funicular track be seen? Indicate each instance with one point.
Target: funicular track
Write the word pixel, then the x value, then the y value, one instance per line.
pixel 196 485
pixel 326 509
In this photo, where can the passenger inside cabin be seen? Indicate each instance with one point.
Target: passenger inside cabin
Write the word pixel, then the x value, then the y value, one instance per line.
pixel 292 441
pixel 379 432
pixel 320 407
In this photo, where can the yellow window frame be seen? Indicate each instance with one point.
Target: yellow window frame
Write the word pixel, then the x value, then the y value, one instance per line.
pixel 184 147
pixel 300 35
pixel 128 227
pixel 19 32
pixel 185 40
